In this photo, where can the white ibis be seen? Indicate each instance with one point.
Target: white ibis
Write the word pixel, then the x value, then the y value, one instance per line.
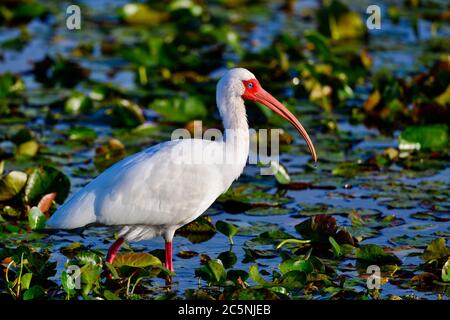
pixel 158 190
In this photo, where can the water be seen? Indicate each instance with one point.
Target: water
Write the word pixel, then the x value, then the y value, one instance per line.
pixel 394 47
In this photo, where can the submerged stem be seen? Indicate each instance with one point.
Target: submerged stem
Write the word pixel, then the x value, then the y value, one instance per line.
pixel 282 243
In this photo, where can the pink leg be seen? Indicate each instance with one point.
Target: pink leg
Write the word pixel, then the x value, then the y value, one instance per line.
pixel 168 262
pixel 112 252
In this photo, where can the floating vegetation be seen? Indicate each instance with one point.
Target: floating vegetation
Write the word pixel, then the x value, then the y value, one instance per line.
pixel 376 104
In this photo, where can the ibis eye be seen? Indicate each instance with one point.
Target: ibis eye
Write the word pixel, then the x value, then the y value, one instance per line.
pixel 250 85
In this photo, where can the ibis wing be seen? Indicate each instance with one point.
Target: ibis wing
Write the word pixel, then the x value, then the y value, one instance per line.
pixel 162 185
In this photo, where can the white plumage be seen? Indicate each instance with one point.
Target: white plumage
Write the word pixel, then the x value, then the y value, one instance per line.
pixel 151 193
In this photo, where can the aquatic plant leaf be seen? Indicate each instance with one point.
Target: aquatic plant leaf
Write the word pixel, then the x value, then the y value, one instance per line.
pixel 78 103
pixel 72 249
pixel 178 109
pixel 227 229
pixel 110 295
pixel 137 260
pixel 253 254
pixel 436 250
pixel 126 114
pixel 420 241
pixel 200 230
pixel 426 137
pixel 141 14
pixel 271 211
pixel 296 265
pixel 256 276
pixel 373 253
pixel 29 148
pixel 228 258
pixel 44 180
pixel 335 247
pixel 36 219
pixel 10 85
pixel 34 293
pixel 90 276
pixel 11 184
pixel 184 254
pixel 81 134
pixel 235 275
pixel 338 22
pixel 319 228
pixel 217 270
pixel 294 279
pixel 269 237
pixel 280 172
pixel 445 274
pixel 26 280
pixel 88 257
pixel 320 43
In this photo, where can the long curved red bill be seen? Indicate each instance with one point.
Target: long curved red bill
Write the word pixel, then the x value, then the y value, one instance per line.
pixel 262 96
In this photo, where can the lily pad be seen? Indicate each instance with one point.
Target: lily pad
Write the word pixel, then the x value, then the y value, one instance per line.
pixel 296 265
pixel 11 184
pixel 199 230
pixel 36 219
pixel 127 114
pixel 137 260
pixel 44 180
pixel 78 103
pixel 431 137
pixel 371 253
pixel 446 271
pixel 180 110
pixel 227 229
pixel 436 250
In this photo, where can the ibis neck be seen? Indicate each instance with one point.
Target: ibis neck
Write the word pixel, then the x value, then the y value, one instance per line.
pixel 236 137
pixel 233 114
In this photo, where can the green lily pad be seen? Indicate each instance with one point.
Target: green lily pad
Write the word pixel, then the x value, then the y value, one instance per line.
pixel 296 265
pixel 245 197
pixel 371 253
pixel 44 180
pixel 90 277
pixel 268 211
pixel 11 184
pixel 178 109
pixel 36 292
pixel 126 114
pixel 430 137
pixel 81 134
pixel 25 280
pixel 254 228
pixel 446 271
pixel 29 148
pixel 217 270
pixel 280 172
pixel 269 237
pixel 227 229
pixel 78 103
pixel 212 271
pixel 142 14
pixel 256 276
pixel 36 219
pixel 436 250
pixel 199 230
pixel 419 241
pixel 137 260
pixel 228 258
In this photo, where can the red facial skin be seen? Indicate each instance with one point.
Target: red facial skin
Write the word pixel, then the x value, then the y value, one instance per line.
pixel 252 86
